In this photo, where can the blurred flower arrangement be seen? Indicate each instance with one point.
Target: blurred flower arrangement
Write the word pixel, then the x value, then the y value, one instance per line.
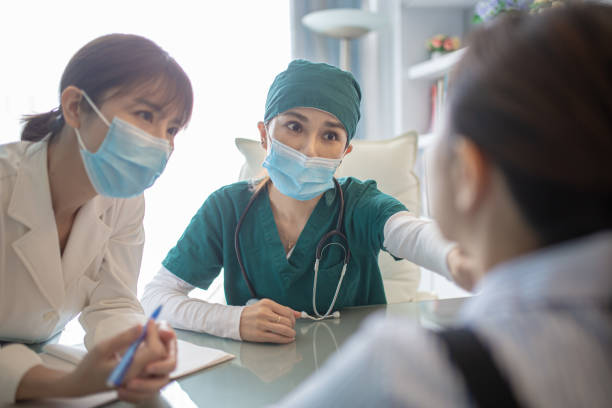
pixel 487 10
pixel 441 43
pixel 539 6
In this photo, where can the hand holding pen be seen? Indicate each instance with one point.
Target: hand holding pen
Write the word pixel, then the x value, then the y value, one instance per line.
pixel 149 371
pixel 144 370
pixel 115 379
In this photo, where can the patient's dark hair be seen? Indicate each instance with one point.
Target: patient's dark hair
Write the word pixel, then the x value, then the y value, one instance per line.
pixel 534 93
pixel 119 62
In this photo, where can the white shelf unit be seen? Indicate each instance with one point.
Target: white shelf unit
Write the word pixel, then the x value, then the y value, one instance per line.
pixel 436 67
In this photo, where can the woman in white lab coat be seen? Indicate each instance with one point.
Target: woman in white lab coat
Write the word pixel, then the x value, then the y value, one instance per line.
pixel 71 212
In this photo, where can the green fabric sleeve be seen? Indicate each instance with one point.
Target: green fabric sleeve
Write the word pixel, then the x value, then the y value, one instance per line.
pixel 197 257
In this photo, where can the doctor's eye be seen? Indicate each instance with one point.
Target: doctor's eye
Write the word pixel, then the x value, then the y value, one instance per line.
pixel 294 126
pixel 331 136
pixel 146 115
pixel 173 131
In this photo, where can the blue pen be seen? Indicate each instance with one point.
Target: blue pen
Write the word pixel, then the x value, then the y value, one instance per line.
pixel 116 377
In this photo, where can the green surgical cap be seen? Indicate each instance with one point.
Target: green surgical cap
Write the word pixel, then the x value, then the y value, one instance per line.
pixel 316 85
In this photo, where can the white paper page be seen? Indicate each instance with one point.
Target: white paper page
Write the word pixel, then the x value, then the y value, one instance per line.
pixel 191 358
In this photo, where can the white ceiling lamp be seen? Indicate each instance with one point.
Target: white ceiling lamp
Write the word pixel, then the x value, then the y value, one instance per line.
pixel 345 24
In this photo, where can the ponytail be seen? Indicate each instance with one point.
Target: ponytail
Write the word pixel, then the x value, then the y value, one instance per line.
pixel 37 126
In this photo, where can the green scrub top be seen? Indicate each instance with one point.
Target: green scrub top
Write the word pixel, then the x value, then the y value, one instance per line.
pixel 207 245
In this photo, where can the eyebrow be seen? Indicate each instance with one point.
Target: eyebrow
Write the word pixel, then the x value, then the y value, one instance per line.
pixel 334 125
pixel 297 115
pixel 156 108
pixel 150 104
pixel 305 119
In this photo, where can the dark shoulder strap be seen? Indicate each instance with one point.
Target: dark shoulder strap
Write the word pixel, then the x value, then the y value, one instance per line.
pixel 485 383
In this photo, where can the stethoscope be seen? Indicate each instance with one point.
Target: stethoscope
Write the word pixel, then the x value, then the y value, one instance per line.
pixel 321 246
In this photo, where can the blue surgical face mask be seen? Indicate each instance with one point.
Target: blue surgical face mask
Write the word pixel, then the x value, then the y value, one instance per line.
pixel 296 175
pixel 128 161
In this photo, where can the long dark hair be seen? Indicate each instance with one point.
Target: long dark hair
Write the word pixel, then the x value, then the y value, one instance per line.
pixel 534 93
pixel 122 62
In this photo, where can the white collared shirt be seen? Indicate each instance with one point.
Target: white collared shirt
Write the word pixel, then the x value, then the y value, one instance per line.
pixel 545 316
pixel 40 289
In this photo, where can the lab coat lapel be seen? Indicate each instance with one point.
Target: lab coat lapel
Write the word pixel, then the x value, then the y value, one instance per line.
pixel 38 249
pixel 88 236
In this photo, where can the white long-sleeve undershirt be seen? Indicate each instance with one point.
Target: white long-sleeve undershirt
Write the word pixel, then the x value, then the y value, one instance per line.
pixel 405 236
pixel 418 241
pixel 184 312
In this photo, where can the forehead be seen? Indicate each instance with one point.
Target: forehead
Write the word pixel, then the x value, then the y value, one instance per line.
pixel 312 114
pixel 159 94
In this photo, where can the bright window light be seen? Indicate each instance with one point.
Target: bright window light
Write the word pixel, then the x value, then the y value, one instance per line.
pixel 231 50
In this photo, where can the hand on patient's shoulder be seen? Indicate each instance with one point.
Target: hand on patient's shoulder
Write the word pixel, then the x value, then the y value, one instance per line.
pixel 268 321
pixel 463 268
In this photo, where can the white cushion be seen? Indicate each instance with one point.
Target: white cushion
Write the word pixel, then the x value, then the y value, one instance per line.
pixel 391 163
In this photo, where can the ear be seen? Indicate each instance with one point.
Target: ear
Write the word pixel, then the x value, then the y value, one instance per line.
pixel 471 174
pixel 263 133
pixel 71 100
pixel 348 149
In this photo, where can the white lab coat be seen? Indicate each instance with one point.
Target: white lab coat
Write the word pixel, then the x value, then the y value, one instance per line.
pixel 42 290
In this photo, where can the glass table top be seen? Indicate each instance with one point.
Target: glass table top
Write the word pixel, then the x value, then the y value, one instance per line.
pixel 262 374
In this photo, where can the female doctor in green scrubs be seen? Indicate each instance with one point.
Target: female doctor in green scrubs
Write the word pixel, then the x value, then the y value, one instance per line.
pixel 290 220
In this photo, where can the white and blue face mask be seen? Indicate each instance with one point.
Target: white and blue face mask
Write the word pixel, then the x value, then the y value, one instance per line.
pixel 128 161
pixel 296 175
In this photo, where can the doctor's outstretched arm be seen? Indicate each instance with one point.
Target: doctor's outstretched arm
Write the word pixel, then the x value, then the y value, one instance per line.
pixel 420 241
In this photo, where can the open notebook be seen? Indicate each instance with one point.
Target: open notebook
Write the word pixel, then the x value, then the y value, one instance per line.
pixel 191 358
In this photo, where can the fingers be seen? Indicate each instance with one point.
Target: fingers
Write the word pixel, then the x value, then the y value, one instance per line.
pixel 283 311
pixel 274 326
pixel 279 329
pixel 166 366
pixel 166 333
pixel 118 343
pixel 149 385
pixel 279 319
pixel 153 338
pixel 267 321
pixel 151 350
pixel 270 337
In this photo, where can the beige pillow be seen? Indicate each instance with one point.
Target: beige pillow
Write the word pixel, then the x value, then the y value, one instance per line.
pixel 391 163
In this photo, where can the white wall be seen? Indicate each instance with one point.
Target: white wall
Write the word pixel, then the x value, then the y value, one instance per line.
pixel 231 51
